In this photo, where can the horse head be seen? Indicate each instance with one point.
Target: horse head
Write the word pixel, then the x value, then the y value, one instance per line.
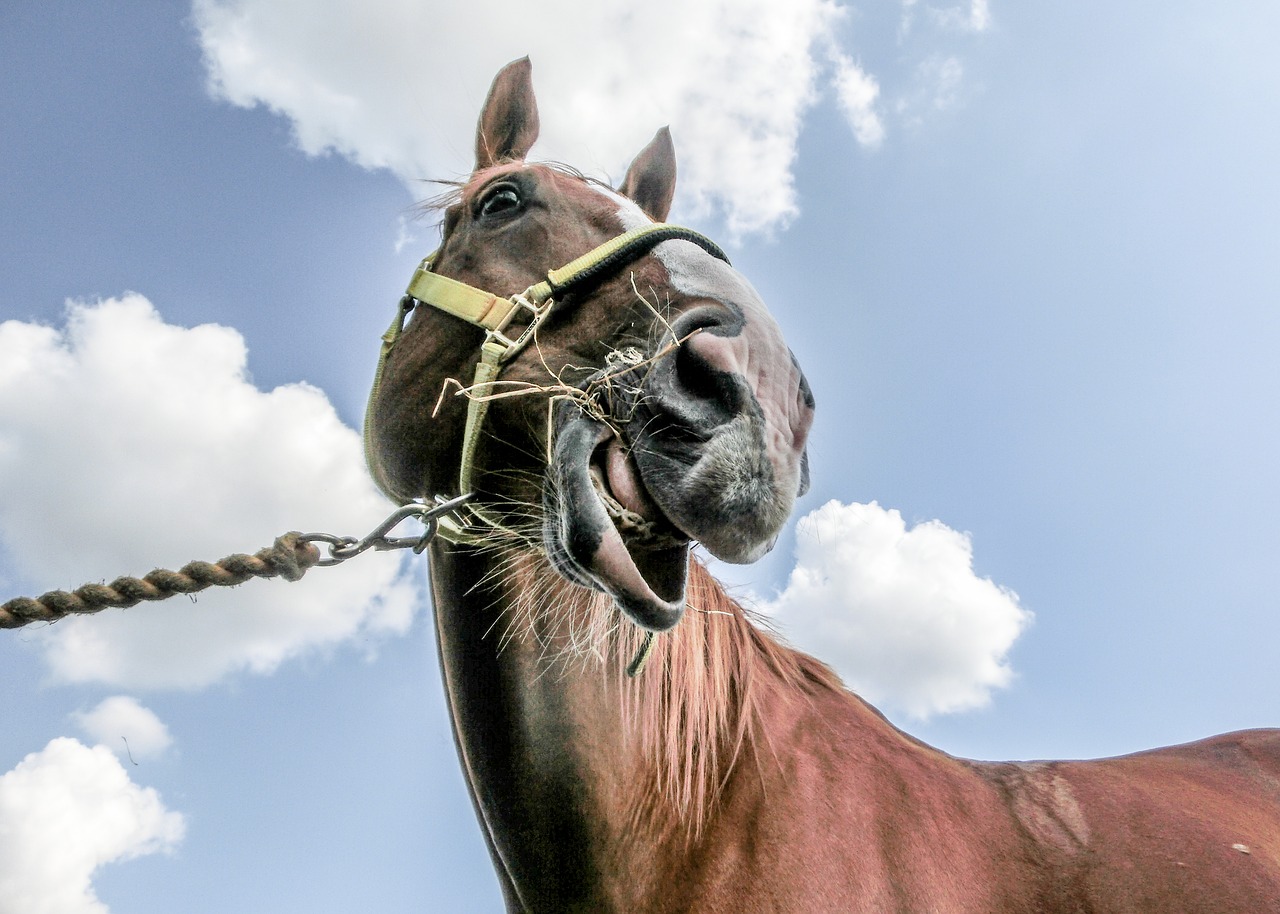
pixel 651 401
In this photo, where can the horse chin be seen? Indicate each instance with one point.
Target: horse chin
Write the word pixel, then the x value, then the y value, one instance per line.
pixel 603 530
pixel 729 492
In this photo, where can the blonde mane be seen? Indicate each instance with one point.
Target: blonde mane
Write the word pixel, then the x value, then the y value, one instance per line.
pixel 696 704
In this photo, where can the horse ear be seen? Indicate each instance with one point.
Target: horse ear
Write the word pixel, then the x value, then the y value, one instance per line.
pixel 651 179
pixel 509 120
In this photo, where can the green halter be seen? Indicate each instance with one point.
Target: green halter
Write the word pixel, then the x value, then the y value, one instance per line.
pixel 495 314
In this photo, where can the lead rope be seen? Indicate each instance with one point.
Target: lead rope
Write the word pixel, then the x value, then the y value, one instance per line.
pixel 290 557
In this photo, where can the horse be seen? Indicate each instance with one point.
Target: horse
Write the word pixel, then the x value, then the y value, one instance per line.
pixel 634 399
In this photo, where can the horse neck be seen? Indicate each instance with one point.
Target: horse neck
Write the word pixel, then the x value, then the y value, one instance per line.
pixel 568 758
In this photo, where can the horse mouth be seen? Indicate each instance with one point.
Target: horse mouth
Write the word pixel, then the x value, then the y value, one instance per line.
pixel 604 530
pixel 696 448
pixel 626 500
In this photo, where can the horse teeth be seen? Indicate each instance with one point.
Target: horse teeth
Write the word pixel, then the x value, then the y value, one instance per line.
pixel 631 525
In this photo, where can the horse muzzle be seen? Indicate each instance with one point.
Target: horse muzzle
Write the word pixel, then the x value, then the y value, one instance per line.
pixel 704 441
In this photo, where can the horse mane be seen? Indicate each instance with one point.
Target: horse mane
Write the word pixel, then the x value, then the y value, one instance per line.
pixel 696 705
pixel 699 704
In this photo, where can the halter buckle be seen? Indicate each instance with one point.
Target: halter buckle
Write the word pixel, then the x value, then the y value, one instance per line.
pixel 536 314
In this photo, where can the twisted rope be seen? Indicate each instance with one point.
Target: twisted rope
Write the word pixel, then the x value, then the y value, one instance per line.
pixel 289 558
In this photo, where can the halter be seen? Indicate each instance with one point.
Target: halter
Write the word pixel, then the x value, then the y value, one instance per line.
pixel 495 315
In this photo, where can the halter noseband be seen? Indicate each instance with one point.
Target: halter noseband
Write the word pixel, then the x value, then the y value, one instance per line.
pixel 495 314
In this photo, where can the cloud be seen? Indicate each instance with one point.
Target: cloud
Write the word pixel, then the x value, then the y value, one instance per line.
pixel 127 443
pixel 937 85
pixel 395 85
pixel 125 727
pixel 65 812
pixel 398 86
pixel 940 79
pixel 899 613
pixel 856 94
pixel 974 17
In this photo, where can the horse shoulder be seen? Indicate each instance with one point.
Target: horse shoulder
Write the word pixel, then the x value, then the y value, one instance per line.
pixel 848 813
pixel 1194 827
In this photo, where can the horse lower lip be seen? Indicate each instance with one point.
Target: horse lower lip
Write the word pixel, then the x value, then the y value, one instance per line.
pixel 641 563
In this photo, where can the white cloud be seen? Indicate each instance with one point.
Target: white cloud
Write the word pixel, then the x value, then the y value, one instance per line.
pixel 399 85
pixel 64 812
pixel 936 86
pixel 125 727
pixel 856 94
pixel 405 235
pixel 941 78
pixel 980 15
pixel 127 443
pixel 976 17
pixel 899 613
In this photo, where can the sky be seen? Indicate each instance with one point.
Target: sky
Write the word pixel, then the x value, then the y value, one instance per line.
pixel 1029 257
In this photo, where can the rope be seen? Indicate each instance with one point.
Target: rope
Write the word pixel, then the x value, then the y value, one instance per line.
pixel 289 558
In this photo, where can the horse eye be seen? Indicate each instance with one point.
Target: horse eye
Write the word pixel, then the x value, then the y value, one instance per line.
pixel 503 200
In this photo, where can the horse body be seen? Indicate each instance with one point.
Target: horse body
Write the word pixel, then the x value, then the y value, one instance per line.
pixel 1192 828
pixel 825 806
pixel 656 406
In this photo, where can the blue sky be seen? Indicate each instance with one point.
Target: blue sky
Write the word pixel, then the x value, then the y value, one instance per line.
pixel 1028 256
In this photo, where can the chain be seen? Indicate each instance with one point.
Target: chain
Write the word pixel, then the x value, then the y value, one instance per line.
pixel 379 539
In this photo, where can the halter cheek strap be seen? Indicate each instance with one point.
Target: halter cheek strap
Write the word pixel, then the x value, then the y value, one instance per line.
pixel 495 315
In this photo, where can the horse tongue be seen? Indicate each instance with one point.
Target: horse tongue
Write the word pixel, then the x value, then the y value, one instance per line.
pixel 624 482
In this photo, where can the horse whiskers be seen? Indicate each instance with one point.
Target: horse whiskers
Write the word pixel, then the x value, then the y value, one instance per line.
pixel 662 318
pixel 547 611
pixel 560 619
pixel 509 557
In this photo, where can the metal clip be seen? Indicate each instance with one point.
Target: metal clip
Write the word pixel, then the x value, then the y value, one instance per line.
pixel 379 539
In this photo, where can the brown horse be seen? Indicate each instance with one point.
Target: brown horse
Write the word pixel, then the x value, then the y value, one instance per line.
pixel 634 405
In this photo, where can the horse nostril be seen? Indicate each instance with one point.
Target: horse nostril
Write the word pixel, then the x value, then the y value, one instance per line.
pixel 698 377
pixel 706 375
